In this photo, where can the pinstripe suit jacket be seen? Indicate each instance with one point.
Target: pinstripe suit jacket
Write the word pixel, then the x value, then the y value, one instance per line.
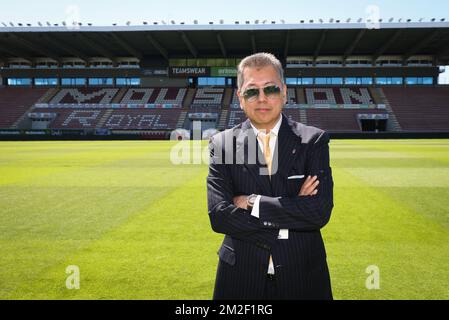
pixel 300 262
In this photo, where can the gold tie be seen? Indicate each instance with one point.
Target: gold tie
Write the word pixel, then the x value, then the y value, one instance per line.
pixel 267 152
pixel 267 155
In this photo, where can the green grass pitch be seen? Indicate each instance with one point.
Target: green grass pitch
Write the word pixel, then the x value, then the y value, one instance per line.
pixel 137 227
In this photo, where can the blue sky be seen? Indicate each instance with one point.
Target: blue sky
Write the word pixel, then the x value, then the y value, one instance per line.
pixel 106 12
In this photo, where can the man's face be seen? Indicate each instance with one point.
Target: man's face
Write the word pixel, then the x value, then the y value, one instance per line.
pixel 264 109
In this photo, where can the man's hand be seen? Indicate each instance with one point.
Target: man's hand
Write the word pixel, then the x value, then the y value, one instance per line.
pixel 309 186
pixel 240 201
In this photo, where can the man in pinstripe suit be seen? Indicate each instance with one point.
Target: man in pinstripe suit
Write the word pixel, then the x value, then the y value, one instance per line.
pixel 270 191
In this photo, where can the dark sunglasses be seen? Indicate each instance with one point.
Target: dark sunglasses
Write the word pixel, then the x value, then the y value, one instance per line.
pixel 269 91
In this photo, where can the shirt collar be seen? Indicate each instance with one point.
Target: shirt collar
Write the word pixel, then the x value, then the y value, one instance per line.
pixel 275 129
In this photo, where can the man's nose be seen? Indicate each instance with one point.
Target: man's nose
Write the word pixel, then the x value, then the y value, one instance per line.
pixel 261 97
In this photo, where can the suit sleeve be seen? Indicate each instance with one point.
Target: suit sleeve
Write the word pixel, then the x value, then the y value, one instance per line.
pixel 225 217
pixel 304 213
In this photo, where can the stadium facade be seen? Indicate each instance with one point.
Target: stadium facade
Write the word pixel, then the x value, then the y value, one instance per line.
pixel 149 80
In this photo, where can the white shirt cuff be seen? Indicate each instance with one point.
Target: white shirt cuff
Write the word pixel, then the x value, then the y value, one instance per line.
pixel 255 211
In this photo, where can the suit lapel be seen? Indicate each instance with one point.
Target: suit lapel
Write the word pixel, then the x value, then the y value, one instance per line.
pixel 248 153
pixel 287 148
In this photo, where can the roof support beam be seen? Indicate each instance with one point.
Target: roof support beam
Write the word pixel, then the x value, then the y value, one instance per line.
pixel 105 53
pixel 65 47
pixel 126 46
pixel 286 44
pixel 417 46
pixel 221 44
pixel 386 45
pixel 189 45
pixel 157 45
pixel 253 42
pixel 319 45
pixel 354 43
pixel 35 47
pixel 13 51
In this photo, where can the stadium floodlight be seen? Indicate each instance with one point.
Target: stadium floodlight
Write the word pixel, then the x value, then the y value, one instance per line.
pixel 310 21
pixel 282 21
pixel 337 21
pixel 182 22
pixel 48 24
pixel 211 22
pixel 433 19
pixel 273 22
pixel 348 20
pixel 128 23
pixel 236 22
pixel 89 24
pixel 155 22
pixel 4 24
pixel 256 22
pixel 247 22
pixel 20 24
pixel 265 21
pixel 28 24
pixel 221 21
pixel 360 20
pixel 321 20
pixel 331 20
pixel 400 20
pixel 145 23
pixel 391 20
pixel 421 19
pixel 114 24
pixel 173 22
pixel 11 24
pixel 301 21
pixel 380 20
pixel 409 20
pixel 195 21
pixel 163 22
pixel 63 23
pixel 442 20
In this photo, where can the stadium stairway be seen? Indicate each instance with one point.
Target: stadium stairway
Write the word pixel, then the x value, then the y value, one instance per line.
pixel 303 116
pixel 223 119
pixel 23 122
pixel 380 98
pixel 188 100
pixel 301 96
pixel 103 119
pixel 181 119
pixel 119 96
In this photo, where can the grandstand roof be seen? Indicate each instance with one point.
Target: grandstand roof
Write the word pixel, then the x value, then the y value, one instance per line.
pixel 228 41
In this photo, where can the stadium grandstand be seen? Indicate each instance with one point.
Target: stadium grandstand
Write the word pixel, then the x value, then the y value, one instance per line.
pixel 146 81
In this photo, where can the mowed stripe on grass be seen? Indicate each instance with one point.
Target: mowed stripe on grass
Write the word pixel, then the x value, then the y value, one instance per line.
pixel 137 226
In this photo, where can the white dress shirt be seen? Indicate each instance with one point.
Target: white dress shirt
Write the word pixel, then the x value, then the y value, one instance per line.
pixel 283 233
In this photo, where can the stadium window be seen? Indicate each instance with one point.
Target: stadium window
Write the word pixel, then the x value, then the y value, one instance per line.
pixel 427 81
pixel 211 81
pixel 336 80
pixel 73 81
pixel 291 81
pixel 381 81
pixel 350 81
pixel 46 82
pixel 306 81
pixel 320 81
pixel 19 81
pixel 366 80
pixel 127 81
pixel 101 81
pixel 397 81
